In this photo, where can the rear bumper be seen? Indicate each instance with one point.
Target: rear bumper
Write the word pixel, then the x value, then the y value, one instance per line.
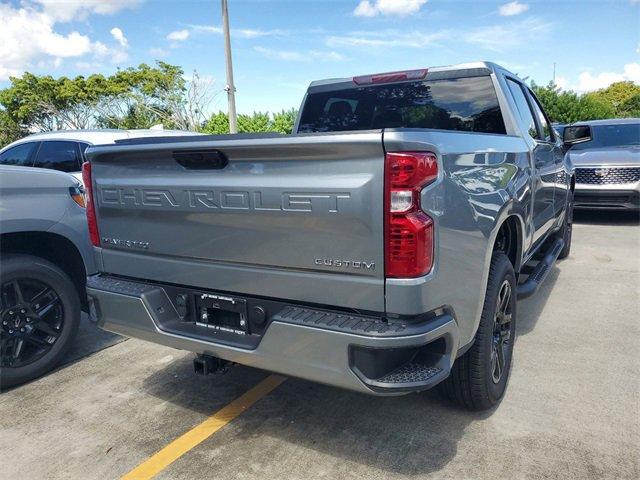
pixel 613 198
pixel 354 355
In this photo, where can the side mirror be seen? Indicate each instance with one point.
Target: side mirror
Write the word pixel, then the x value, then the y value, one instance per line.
pixel 576 134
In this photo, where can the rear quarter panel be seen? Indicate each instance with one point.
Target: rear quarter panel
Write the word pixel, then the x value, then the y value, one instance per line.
pixel 482 180
pixel 38 200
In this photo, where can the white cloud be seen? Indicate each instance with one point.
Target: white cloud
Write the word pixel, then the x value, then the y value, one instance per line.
pixel 293 56
pixel 115 55
pixel 179 35
pixel 28 37
pixel 588 81
pixel 508 36
pixel 158 52
pixel 239 32
pixel 118 35
pixel 387 38
pixel 513 8
pixel 400 8
pixel 67 10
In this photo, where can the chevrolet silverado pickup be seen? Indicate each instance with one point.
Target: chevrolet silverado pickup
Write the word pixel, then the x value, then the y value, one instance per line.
pixel 381 247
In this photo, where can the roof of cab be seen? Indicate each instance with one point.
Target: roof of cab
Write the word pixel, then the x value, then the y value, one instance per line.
pixel 462 68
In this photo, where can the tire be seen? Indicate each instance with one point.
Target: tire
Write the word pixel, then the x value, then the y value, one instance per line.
pixel 567 228
pixel 53 316
pixel 472 383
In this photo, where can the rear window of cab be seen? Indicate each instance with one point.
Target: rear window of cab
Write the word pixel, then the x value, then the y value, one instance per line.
pixel 466 104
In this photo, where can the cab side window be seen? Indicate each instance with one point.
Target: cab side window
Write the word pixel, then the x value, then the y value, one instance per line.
pixel 523 108
pixel 18 155
pixel 547 132
pixel 62 156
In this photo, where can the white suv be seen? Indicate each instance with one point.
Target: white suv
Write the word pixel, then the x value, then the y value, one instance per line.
pixel 64 150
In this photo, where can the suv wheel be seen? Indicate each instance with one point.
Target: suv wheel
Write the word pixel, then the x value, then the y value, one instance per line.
pixel 39 317
pixel 479 378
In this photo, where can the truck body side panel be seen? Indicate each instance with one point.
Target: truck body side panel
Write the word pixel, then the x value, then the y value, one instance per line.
pixel 483 179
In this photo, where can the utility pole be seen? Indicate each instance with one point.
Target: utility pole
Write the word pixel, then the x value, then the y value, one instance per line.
pixel 230 87
pixel 554 73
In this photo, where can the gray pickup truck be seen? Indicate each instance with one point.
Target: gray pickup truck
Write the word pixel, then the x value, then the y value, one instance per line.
pixel 380 248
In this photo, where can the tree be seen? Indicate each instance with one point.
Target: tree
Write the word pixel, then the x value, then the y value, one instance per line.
pixel 131 98
pixel 568 106
pixel 10 131
pixel 620 96
pixel 258 122
pixel 631 107
pixel 283 121
pixel 218 124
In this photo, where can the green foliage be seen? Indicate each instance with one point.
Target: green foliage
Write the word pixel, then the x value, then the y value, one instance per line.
pixel 284 120
pixel 258 122
pixel 281 122
pixel 10 131
pixel 631 107
pixel 218 124
pixel 620 96
pixel 568 106
pixel 131 98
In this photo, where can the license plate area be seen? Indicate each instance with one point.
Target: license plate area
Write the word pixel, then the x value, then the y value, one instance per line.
pixel 222 313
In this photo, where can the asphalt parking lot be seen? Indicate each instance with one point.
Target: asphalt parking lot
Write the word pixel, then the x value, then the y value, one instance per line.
pixel 571 409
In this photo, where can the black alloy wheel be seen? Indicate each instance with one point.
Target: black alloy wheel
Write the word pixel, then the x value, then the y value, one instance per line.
pixel 31 320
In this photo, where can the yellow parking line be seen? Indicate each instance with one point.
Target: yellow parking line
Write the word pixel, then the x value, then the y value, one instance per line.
pixel 200 433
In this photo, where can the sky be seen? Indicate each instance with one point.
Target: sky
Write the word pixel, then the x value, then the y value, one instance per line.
pixel 280 46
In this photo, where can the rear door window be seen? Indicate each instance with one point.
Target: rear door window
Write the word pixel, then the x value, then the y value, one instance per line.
pixel 523 107
pixel 467 104
pixel 59 155
pixel 18 155
pixel 547 132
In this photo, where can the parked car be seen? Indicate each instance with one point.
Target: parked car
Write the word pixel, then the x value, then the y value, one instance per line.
pixel 63 150
pixel 45 256
pixel 607 163
pixel 381 248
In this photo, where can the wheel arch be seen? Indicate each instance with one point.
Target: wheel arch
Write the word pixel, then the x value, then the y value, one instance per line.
pixel 509 238
pixel 53 247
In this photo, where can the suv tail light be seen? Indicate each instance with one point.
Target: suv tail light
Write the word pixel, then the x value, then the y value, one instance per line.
pixel 408 230
pixel 94 235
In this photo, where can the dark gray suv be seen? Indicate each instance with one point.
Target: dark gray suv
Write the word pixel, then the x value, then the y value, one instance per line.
pixel 607 166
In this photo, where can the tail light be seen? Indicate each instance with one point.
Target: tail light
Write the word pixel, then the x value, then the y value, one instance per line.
pixel 390 77
pixel 408 230
pixel 94 235
pixel 78 196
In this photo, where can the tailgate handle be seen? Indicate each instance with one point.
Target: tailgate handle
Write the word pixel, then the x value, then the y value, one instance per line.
pixel 201 159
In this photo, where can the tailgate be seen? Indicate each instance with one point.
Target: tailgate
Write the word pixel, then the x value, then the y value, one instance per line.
pixel 292 217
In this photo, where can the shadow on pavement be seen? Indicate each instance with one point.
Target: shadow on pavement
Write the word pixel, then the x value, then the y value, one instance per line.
pixel 90 339
pixel 355 427
pixel 606 217
pixel 530 309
